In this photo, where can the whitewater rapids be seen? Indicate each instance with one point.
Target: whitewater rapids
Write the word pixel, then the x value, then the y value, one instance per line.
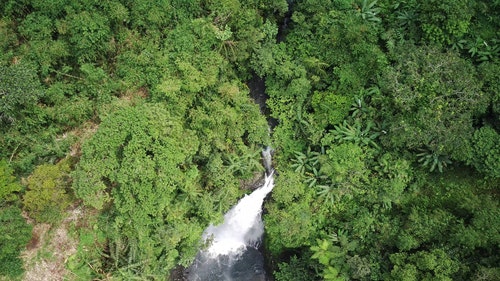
pixel 232 253
pixel 242 226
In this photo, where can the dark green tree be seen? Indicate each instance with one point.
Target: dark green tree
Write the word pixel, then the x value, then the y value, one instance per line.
pixel 88 33
pixel 445 23
pixel 14 235
pixel 20 90
pixel 431 99
pixel 486 152
pixel 9 187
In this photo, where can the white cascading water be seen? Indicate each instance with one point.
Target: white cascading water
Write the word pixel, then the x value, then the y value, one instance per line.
pixel 233 244
pixel 242 225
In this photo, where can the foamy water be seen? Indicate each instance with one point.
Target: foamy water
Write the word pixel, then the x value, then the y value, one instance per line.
pixel 242 226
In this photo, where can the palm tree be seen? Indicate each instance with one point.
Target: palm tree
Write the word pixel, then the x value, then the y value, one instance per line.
pixel 433 159
pixel 245 165
pixel 303 124
pixel 227 45
pixel 305 162
pixel 356 133
pixel 234 164
pixel 369 12
pixel 359 108
pixel 314 177
pixel 327 193
pixel 316 66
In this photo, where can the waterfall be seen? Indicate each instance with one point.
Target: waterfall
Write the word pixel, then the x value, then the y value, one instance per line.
pixel 232 253
pixel 267 160
pixel 242 226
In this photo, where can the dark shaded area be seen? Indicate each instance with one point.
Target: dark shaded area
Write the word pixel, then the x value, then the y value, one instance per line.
pixel 257 86
pixel 248 266
pixel 282 29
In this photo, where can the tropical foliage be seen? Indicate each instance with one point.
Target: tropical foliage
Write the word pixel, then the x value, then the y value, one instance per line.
pixel 386 139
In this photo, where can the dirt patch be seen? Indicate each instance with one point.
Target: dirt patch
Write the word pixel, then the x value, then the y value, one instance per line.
pixel 38 235
pixel 39 232
pixel 49 249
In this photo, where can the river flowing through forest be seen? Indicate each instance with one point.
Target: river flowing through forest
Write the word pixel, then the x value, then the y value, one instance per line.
pixel 131 134
pixel 233 247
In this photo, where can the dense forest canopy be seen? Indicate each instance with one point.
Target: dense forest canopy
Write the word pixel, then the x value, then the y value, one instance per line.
pixel 387 143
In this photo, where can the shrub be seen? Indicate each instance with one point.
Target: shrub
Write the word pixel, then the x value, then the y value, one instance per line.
pixel 46 197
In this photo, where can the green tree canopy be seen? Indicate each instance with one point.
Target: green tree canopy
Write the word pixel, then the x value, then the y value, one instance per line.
pixel 14 235
pixel 486 151
pixel 139 166
pixel 432 98
pixel 8 183
pixel 47 196
pixel 20 90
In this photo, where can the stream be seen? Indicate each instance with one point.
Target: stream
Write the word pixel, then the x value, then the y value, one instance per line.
pixel 234 248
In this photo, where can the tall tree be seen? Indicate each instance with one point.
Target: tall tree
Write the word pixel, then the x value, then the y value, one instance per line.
pixel 20 90
pixel 431 99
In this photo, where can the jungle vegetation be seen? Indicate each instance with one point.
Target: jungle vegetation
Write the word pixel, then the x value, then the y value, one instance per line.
pixel 387 148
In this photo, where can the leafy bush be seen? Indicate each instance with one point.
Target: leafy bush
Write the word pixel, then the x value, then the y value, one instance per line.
pixel 19 91
pixel 47 197
pixel 486 156
pixel 8 184
pixel 297 269
pixel 14 234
